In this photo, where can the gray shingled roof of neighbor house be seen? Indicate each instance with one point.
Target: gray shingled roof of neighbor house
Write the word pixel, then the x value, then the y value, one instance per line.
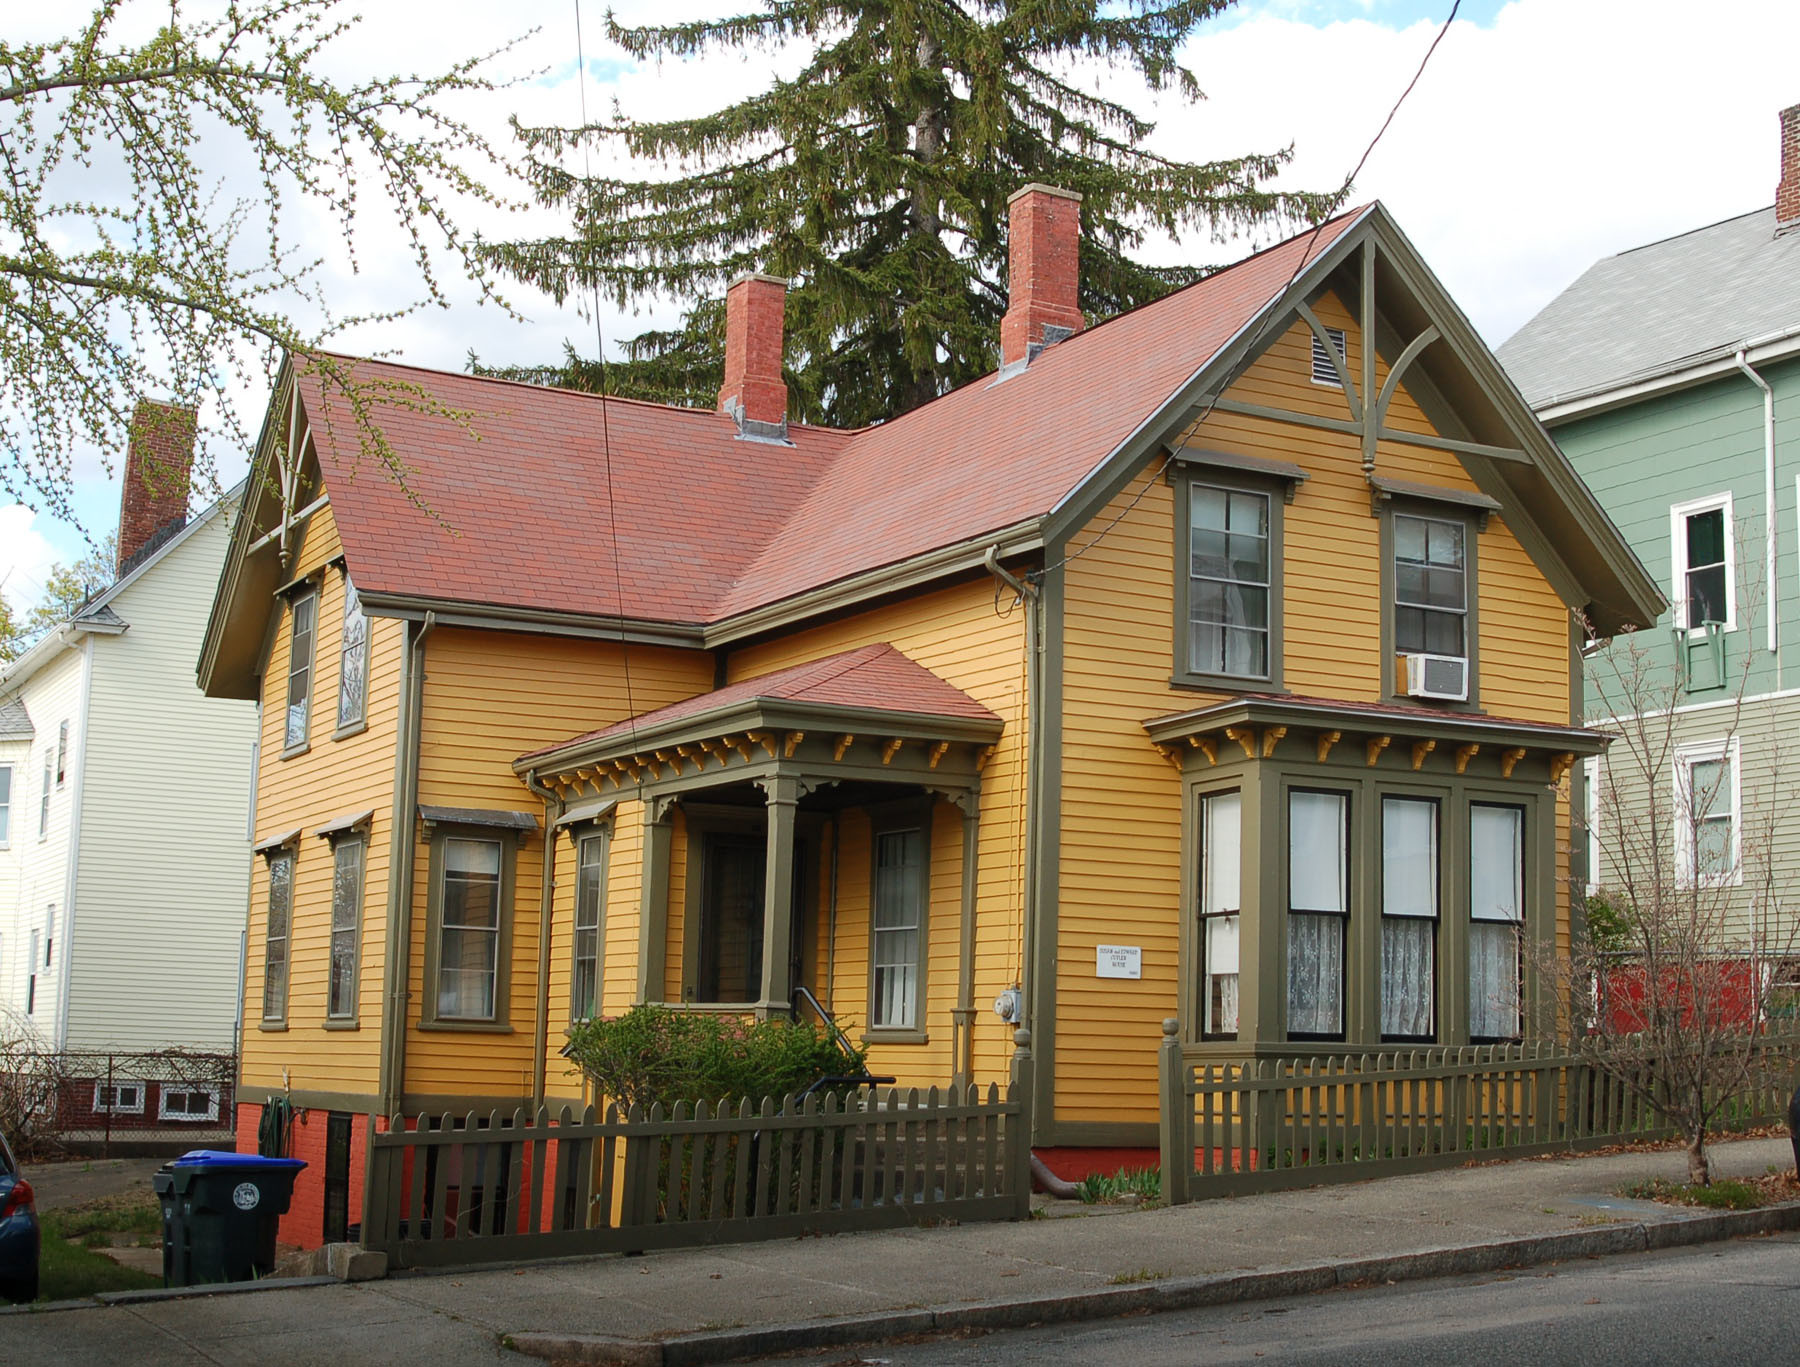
pixel 15 721
pixel 1658 308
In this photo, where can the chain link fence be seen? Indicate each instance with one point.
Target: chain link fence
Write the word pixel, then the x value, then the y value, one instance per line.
pixel 88 1102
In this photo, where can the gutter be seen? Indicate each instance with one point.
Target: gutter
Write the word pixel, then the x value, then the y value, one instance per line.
pixel 540 1034
pixel 1769 527
pixel 1685 373
pixel 1032 599
pixel 396 1000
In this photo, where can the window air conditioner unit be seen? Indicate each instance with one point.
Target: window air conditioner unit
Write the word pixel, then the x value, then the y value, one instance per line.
pixel 1444 677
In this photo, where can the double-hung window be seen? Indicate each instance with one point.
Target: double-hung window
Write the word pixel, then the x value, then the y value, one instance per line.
pixel 1496 919
pixel 1409 916
pixel 6 774
pixel 346 926
pixel 1706 807
pixel 590 894
pixel 31 982
pixel 62 752
pixel 1221 903
pixel 304 614
pixel 899 926
pixel 469 944
pixel 353 662
pixel 1318 912
pixel 1431 605
pixel 275 940
pixel 44 796
pixel 1229 582
pixel 1704 588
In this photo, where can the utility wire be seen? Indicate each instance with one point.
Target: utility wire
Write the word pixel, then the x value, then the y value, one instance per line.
pixel 1269 317
pixel 612 512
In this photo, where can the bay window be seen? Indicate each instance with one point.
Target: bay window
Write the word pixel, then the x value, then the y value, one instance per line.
pixel 1409 917
pixel 1496 919
pixel 1221 820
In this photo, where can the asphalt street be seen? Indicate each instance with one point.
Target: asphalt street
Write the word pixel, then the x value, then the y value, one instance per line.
pixel 1736 1303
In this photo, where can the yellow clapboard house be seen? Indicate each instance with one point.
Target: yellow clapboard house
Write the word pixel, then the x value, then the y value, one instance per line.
pixel 1215 663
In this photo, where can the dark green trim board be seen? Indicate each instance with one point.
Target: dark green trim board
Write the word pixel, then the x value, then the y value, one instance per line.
pixel 1043 833
pixel 396 1002
pixel 1186 479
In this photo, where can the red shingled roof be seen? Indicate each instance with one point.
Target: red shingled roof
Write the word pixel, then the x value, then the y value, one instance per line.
pixel 708 525
pixel 877 677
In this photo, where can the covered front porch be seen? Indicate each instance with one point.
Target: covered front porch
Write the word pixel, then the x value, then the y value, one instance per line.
pixel 806 837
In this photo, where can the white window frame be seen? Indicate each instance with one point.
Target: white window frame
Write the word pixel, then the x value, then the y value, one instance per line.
pixel 44 797
pixel 1340 338
pixel 1590 783
pixel 6 806
pixel 162 1102
pixel 62 752
pixel 103 1105
pixel 1686 757
pixel 1679 513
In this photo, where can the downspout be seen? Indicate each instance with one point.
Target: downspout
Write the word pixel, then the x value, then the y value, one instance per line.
pixel 1769 519
pixel 541 1034
pixel 1032 600
pixel 401 856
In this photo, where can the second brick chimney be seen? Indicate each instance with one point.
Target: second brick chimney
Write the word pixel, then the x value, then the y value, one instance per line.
pixel 1043 271
pixel 159 459
pixel 1787 192
pixel 754 392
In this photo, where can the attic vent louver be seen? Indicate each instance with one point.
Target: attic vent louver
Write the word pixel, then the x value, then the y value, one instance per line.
pixel 1323 371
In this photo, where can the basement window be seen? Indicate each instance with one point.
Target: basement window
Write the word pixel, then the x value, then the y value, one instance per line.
pixel 1323 371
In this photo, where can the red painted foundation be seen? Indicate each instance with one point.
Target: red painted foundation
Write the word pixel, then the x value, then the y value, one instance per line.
pixel 304 1224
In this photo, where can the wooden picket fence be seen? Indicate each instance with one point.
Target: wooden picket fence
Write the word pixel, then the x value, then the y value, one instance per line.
pixel 1231 1127
pixel 445 1190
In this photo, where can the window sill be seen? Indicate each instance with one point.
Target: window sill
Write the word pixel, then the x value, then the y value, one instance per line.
pixel 341 1023
pixel 296 751
pixel 880 1035
pixel 1224 683
pixel 272 1026
pixel 467 1027
pixel 355 728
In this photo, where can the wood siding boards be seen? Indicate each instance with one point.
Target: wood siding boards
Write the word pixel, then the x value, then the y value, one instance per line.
pixel 164 861
pixel 1122 865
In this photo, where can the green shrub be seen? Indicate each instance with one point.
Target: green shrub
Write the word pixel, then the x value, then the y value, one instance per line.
pixel 660 1053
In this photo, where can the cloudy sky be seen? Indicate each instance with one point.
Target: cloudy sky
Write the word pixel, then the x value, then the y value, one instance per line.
pixel 1544 134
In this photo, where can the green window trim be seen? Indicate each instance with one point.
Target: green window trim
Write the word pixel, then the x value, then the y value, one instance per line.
pixel 278 928
pixel 1236 486
pixel 593 851
pixel 343 970
pixel 1472 522
pixel 1309 904
pixel 1219 911
pixel 890 827
pixel 1411 912
pixel 466 861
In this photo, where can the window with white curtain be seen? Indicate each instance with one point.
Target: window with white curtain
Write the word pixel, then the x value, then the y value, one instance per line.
pixel 590 892
pixel 1228 582
pixel 1318 910
pixel 1221 820
pixel 1409 916
pixel 469 950
pixel 1496 919
pixel 899 920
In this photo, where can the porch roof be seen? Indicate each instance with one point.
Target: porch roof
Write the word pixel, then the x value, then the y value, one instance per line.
pixel 875 686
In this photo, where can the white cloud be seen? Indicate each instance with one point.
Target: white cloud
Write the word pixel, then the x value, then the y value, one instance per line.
pixel 26 556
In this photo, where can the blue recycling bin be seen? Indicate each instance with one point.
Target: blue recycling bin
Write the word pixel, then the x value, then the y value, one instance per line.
pixel 220 1212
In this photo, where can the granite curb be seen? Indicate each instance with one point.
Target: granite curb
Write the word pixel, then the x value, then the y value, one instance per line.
pixel 1178 1293
pixel 101 1299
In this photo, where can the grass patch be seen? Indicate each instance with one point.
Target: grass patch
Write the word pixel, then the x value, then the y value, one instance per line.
pixel 1142 1274
pixel 1143 1184
pixel 1728 1193
pixel 70 1269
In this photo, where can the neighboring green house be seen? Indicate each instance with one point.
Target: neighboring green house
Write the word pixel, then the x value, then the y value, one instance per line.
pixel 1670 375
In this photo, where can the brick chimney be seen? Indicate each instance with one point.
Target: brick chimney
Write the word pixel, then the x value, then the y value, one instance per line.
pixel 754 392
pixel 1787 193
pixel 158 461
pixel 1044 255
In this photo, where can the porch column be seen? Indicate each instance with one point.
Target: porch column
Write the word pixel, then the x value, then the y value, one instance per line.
pixel 653 904
pixel 782 798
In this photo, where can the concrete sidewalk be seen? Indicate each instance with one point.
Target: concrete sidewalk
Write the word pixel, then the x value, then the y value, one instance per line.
pixel 712 1305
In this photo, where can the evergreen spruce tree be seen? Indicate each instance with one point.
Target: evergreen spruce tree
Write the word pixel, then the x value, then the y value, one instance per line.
pixel 876 180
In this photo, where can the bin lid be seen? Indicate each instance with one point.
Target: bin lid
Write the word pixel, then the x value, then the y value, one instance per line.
pixel 224 1158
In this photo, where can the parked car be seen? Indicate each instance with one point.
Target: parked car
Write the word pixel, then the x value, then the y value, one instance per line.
pixel 18 1231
